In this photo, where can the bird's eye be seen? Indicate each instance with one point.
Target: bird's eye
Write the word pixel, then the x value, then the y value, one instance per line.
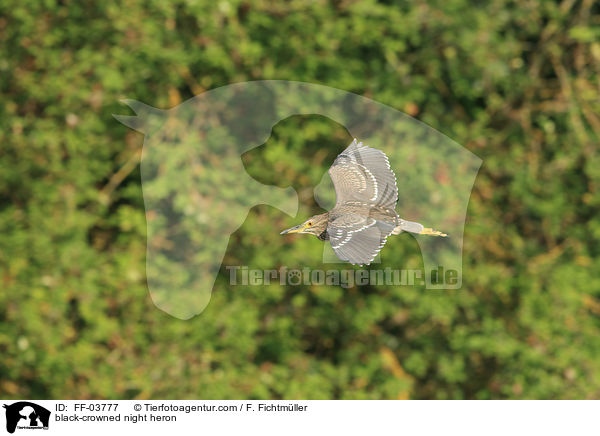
pixel 310 223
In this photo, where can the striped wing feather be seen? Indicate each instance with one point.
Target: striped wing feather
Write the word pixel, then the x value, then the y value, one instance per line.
pixel 357 239
pixel 363 173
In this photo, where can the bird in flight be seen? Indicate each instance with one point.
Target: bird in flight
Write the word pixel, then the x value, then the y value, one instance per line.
pixel 364 214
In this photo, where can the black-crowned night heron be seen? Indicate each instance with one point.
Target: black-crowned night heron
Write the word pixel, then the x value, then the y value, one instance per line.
pixel 365 209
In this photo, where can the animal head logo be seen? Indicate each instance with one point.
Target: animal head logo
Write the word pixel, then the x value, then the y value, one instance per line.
pixel 197 192
pixel 25 414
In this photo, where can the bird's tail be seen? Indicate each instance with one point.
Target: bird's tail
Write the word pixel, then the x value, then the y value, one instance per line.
pixel 411 227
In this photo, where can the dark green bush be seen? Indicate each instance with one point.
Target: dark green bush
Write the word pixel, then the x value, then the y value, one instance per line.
pixel 515 82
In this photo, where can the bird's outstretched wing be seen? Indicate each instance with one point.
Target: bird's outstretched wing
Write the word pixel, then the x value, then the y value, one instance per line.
pixel 356 238
pixel 363 173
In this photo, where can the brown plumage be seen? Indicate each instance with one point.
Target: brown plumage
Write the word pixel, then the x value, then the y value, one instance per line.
pixel 364 214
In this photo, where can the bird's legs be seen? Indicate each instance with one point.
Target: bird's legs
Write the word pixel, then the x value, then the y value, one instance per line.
pixel 430 231
pixel 411 227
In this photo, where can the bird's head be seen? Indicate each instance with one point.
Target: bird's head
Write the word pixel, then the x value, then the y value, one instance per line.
pixel 315 225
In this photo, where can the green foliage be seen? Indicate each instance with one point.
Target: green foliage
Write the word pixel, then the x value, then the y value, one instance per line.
pixel 515 82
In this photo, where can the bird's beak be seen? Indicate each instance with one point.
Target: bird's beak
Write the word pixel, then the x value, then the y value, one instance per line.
pixel 295 229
